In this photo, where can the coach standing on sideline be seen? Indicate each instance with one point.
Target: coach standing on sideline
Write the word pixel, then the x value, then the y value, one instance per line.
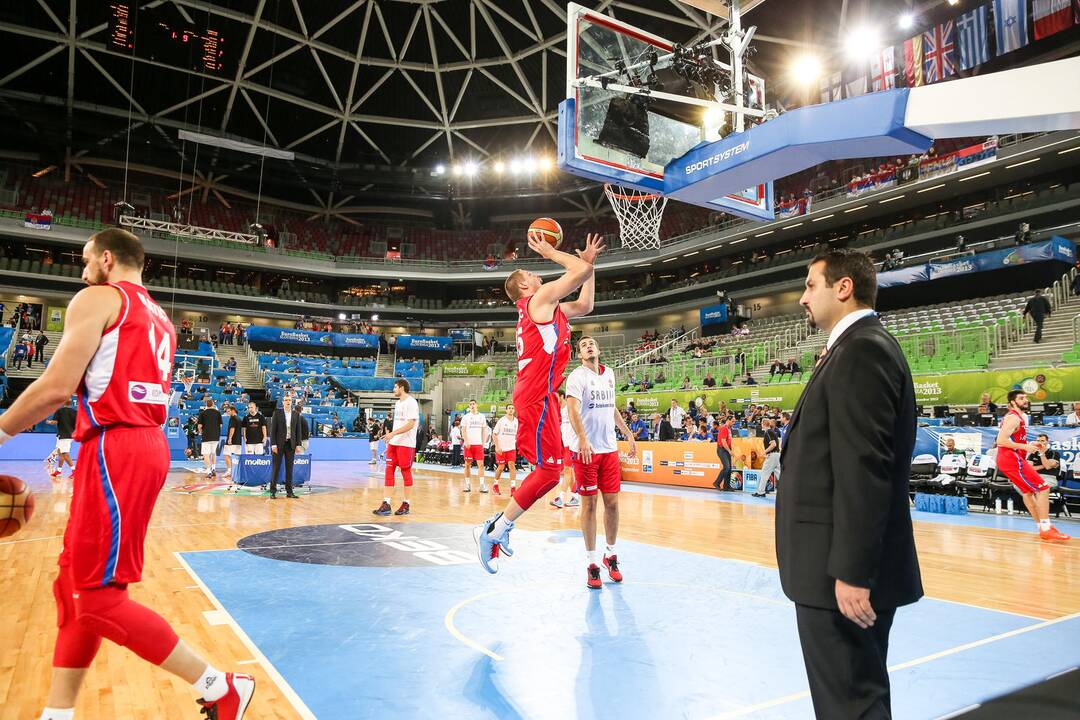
pixel 844 542
pixel 285 436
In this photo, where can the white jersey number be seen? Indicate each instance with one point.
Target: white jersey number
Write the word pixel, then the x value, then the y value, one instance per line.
pixel 161 352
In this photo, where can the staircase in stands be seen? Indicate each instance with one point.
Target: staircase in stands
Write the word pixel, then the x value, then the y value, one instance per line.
pixel 385 365
pixel 38 368
pixel 1057 337
pixel 247 372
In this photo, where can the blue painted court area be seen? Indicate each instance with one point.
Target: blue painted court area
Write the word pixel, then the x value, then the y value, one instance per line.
pixel 369 632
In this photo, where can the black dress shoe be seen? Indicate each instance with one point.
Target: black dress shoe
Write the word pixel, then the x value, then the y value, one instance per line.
pixel 273 496
pixel 290 495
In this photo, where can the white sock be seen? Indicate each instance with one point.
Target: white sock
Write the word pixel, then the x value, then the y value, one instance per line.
pixel 211 684
pixel 591 558
pixel 500 526
pixel 611 550
pixel 58 714
pixel 387 500
pixel 1044 524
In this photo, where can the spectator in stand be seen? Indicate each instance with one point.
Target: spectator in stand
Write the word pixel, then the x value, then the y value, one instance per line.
pixel 39 346
pixel 709 381
pixel 750 379
pixel 662 428
pixel 686 430
pixel 661 378
pixel 686 383
pixel 1023 235
pixel 646 384
pixel 639 427
pixel 1038 308
pixel 777 368
pixel 724 382
pixel 18 355
pixel 793 367
pixel 675 414
pixel 1073 419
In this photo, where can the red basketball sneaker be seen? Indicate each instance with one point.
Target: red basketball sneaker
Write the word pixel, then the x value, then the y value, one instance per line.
pixel 1053 534
pixel 612 565
pixel 592 578
pixel 495 489
pixel 234 703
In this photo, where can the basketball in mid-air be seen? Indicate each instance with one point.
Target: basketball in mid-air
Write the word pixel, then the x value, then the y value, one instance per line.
pixel 16 505
pixel 547 229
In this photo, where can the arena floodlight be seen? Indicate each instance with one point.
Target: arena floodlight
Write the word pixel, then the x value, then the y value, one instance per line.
pixel 545 163
pixel 529 164
pixel 805 69
pixel 499 167
pixel 375 317
pixel 459 170
pixel 862 43
pixel 471 169
pixel 515 166
pixel 953 2
pixel 341 316
pixel 906 21
pixel 440 169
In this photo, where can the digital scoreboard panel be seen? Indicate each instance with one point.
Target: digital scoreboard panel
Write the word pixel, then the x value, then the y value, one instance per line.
pixel 165 35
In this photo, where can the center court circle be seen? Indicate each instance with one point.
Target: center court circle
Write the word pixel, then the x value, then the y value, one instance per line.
pixel 367 544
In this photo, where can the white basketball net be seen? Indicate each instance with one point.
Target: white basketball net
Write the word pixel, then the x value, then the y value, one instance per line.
pixel 639 215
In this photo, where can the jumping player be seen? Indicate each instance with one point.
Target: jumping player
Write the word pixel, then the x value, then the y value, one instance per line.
pixel 505 435
pixel 1013 448
pixel 475 434
pixel 543 349
pixel 590 404
pixel 116 352
pixel 400 446
pixel 567 486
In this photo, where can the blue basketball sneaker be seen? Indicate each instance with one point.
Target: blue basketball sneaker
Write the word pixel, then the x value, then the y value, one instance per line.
pixel 488 546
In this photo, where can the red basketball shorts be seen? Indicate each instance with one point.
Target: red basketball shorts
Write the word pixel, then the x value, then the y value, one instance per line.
pixel 474 452
pixel 568 458
pixel 399 456
pixel 117 480
pixel 1015 466
pixel 539 438
pixel 603 474
pixel 509 456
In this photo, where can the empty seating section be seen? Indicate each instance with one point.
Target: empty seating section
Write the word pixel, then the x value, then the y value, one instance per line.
pixel 955 336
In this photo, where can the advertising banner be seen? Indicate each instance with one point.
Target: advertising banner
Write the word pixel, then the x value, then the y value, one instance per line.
pixel 1061 384
pixel 462 334
pixel 54 320
pixel 351 340
pixel 689 464
pixel 253 470
pixel 714 314
pixel 930 440
pixel 424 343
pixel 312 338
pixel 1056 248
pixel 464 369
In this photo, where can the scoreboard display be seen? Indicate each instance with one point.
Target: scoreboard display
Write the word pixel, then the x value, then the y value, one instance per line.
pixel 165 35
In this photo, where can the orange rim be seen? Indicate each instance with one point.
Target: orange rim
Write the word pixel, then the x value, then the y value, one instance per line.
pixel 630 198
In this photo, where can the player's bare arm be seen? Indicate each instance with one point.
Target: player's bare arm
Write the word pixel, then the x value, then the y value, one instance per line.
pixel 1008 427
pixel 547 297
pixel 573 411
pixel 583 305
pixel 91 311
pixel 625 430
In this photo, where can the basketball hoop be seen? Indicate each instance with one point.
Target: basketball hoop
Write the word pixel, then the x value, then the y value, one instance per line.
pixel 639 215
pixel 188 382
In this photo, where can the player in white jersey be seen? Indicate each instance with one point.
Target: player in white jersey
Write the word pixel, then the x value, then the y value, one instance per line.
pixel 475 434
pixel 567 488
pixel 590 404
pixel 505 436
pixel 400 447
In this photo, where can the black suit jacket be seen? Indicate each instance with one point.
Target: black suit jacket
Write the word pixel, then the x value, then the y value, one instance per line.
pixel 842 508
pixel 277 429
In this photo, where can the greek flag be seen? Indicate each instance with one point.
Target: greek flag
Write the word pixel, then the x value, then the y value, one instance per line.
pixel 1011 25
pixel 973 39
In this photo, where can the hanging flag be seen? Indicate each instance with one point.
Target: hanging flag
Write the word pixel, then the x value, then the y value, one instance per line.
pixel 939 52
pixel 882 70
pixel 1010 25
pixel 973 39
pixel 913 64
pixel 1051 16
pixel 855 80
pixel 832 89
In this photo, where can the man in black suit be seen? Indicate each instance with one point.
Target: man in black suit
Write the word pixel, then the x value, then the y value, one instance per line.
pixel 844 542
pixel 286 434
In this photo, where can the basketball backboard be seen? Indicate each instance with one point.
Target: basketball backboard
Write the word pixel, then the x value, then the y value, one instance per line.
pixel 611 132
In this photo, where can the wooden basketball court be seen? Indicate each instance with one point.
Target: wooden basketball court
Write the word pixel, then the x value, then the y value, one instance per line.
pixel 1003 569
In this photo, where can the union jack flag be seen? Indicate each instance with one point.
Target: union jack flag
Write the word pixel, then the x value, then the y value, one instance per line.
pixel 939 52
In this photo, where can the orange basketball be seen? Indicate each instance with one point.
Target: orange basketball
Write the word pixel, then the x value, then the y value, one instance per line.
pixel 16 505
pixel 548 229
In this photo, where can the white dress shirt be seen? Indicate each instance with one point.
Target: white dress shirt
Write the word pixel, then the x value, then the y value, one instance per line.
pixel 846 322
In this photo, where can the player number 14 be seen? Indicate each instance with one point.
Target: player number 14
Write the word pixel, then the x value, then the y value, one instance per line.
pixel 161 352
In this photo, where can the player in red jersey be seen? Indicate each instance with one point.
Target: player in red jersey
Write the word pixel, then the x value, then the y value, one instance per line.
pixel 1013 448
pixel 543 349
pixel 116 355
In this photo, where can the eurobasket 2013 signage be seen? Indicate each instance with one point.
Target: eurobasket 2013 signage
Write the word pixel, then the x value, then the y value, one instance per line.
pixel 714 314
pixel 1060 384
pixel 464 369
